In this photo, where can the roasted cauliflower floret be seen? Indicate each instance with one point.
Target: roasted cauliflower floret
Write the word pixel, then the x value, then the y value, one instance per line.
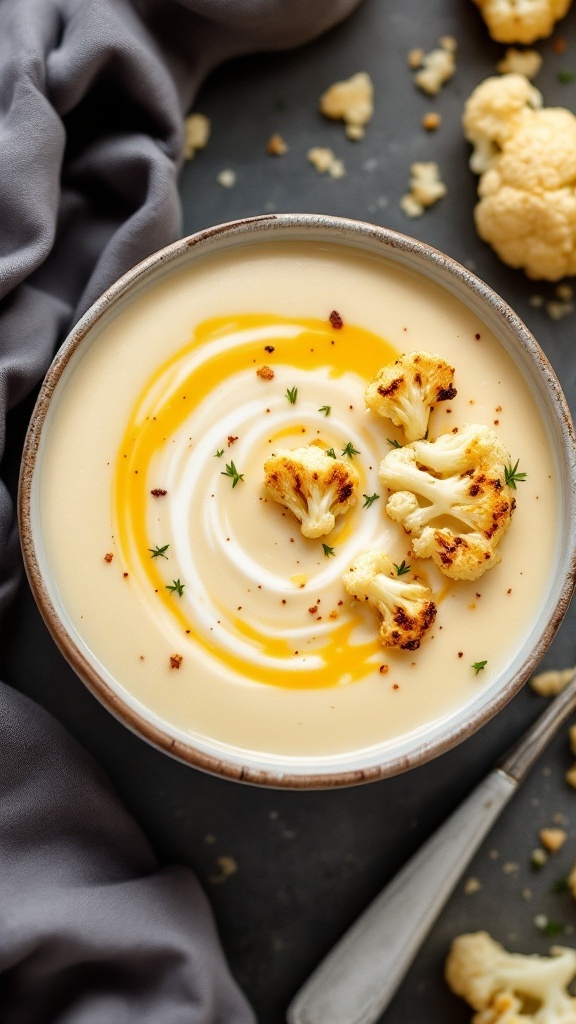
pixel 406 609
pixel 315 487
pixel 521 21
pixel 451 495
pixel 511 988
pixel 405 390
pixel 526 157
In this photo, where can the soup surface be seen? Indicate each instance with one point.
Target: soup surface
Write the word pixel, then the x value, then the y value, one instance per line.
pixel 197 596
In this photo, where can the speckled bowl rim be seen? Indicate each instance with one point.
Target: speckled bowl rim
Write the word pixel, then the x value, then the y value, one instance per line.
pixel 404 251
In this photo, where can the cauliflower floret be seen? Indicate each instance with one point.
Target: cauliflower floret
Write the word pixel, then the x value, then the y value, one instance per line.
pixel 405 390
pixel 314 486
pixel 526 156
pixel 467 504
pixel 521 21
pixel 511 988
pixel 406 609
pixel 350 101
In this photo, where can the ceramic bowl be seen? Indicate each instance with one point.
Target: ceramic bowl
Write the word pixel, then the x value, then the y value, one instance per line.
pixel 186 600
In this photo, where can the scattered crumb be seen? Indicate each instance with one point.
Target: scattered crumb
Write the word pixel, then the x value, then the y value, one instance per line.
pixel 526 894
pixel 351 101
pixel 538 857
pixel 228 867
pixel 209 838
pixel 552 838
pixel 558 818
pixel 510 867
pixel 276 146
pixel 175 660
pixel 265 373
pixel 426 188
pixel 325 161
pixel 536 301
pixel 435 67
pixel 520 62
pixel 548 684
pixel 299 580
pixel 226 178
pixel 472 885
pixel 571 776
pixel 557 309
pixel 494 854
pixel 559 44
pixel 196 134
pixel 431 121
pixel 540 921
pixel 565 292
pixel 415 58
pixel 108 557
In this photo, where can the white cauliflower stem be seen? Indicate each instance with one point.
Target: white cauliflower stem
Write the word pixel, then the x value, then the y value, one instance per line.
pixel 465 504
pixel 315 487
pixel 511 988
pixel 521 21
pixel 404 391
pixel 406 609
pixel 526 156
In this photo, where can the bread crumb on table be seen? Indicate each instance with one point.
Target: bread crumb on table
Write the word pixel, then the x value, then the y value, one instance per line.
pixel 276 146
pixel 226 178
pixel 551 682
pixel 552 838
pixel 435 68
pixel 351 101
pixel 431 121
pixel 196 134
pixel 520 62
pixel 472 885
pixel 325 161
pixel 426 188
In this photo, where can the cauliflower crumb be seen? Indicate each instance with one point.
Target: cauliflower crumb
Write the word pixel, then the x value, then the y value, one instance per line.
pixel 228 867
pixel 500 986
pixel 521 21
pixel 276 146
pixel 350 101
pixel 226 178
pixel 552 838
pixel 431 121
pixel 472 885
pixel 426 188
pixel 437 67
pixel 196 134
pixel 415 58
pixel 510 867
pixel 265 373
pixel 525 155
pixel 565 292
pixel 551 682
pixel 557 310
pixel 538 858
pixel 520 62
pixel 324 161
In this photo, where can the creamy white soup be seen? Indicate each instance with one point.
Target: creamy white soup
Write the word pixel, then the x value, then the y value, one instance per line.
pixel 197 595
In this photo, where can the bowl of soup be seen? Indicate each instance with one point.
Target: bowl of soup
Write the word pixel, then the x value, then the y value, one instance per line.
pixel 189 601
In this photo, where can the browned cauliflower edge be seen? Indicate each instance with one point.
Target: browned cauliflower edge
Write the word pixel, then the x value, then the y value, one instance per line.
pixel 405 391
pixel 406 609
pixel 313 486
pixel 458 479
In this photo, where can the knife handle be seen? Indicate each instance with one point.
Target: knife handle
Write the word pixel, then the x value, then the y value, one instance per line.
pixel 357 979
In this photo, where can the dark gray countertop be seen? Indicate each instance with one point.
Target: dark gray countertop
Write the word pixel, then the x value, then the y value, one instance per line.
pixel 308 863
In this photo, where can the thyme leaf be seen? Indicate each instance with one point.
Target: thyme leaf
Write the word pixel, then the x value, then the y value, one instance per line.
pixel 232 472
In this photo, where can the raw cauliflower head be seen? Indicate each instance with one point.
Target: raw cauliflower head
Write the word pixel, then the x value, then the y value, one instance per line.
pixel 521 21
pixel 501 985
pixel 451 496
pixel 315 487
pixel 405 390
pixel 526 157
pixel 406 609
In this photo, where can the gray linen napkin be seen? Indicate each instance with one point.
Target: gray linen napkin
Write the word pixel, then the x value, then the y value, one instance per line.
pixel 92 98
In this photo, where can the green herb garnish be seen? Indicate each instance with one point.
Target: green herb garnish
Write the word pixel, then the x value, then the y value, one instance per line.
pixel 560 885
pixel 328 551
pixel 292 395
pixel 478 666
pixel 232 472
pixel 369 499
pixel 401 569
pixel 331 453
pixel 566 76
pixel 176 587
pixel 350 450
pixel 393 444
pixel 326 409
pixel 219 453
pixel 552 928
pixel 159 552
pixel 512 477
